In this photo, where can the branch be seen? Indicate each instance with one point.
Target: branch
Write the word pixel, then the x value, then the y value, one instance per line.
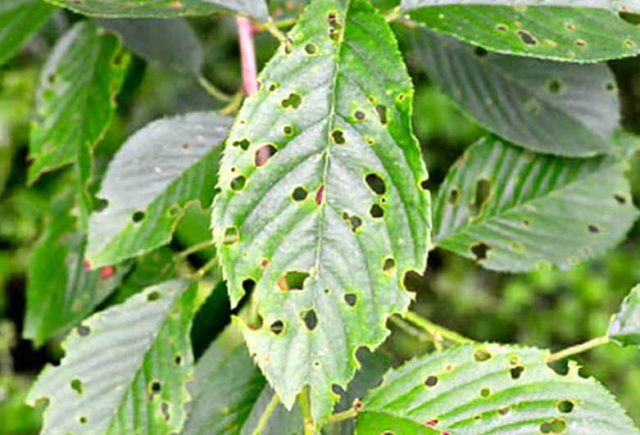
pixel 247 55
pixel 578 348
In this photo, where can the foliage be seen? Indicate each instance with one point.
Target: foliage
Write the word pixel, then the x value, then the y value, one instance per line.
pixel 231 263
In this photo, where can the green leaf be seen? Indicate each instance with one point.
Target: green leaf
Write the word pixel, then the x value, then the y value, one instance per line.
pixel 327 227
pixel 551 107
pixel 613 5
pixel 126 369
pixel 164 8
pixel 19 20
pixel 625 326
pixel 172 43
pixel 511 209
pixel 76 99
pixel 157 173
pixel 230 394
pixel 61 290
pixel 490 389
pixel 539 30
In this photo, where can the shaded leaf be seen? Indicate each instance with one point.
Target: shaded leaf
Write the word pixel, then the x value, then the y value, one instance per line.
pixel 172 43
pixel 125 369
pixel 625 326
pixel 19 20
pixel 163 8
pixel 490 389
pixel 613 5
pixel 511 209
pixel 550 32
pixel 321 208
pixel 76 98
pixel 61 289
pixel 558 108
pixel 153 177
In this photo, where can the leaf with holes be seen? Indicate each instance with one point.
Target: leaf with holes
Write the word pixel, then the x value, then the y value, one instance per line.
pixel 551 107
pixel 171 43
pixel 576 31
pixel 321 206
pixel 19 20
pixel 512 209
pixel 625 326
pixel 126 369
pixel 61 290
pixel 76 98
pixel 164 8
pixel 490 389
pixel 153 177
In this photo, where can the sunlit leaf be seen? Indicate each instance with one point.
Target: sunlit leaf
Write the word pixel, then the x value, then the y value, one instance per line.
pixel 490 389
pixel 126 369
pixel 625 326
pixel 552 107
pixel 19 20
pixel 321 206
pixel 579 31
pixel 511 209
pixel 153 177
pixel 76 98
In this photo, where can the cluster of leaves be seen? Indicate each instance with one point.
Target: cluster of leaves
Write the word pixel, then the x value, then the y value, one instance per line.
pixel 321 214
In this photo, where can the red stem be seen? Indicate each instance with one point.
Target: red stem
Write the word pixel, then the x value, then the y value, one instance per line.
pixel 247 55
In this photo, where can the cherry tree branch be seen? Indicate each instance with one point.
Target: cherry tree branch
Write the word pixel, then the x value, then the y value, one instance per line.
pixel 247 55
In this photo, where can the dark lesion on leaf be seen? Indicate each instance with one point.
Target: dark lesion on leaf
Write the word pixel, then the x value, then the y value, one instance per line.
pixel 354 222
pixel 389 265
pixel 293 101
pixel 231 236
pixel 376 183
pixel 376 211
pixel 527 37
pixel 238 183
pixel 277 327
pixel 299 194
pixel 264 154
pixel 292 280
pixel 338 138
pixel 83 330
pixel 351 299
pixel 243 144
pixel 480 251
pixel 310 319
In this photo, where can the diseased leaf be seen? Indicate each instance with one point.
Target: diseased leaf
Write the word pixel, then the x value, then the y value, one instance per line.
pixel 511 209
pixel 551 107
pixel 490 389
pixel 321 208
pixel 126 369
pixel 153 177
pixel 163 8
pixel 172 43
pixel 556 32
pixel 613 5
pixel 76 98
pixel 19 20
pixel 625 326
pixel 61 290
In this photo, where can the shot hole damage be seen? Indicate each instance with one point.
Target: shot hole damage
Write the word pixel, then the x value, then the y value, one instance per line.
pixel 389 265
pixel 264 154
pixel 338 137
pixel 238 183
pixel 292 281
pixel 76 385
pixel 354 222
pixel 481 355
pixel 248 284
pixel 376 183
pixel 231 236
pixel 527 37
pixel 431 381
pixel 277 327
pixel 138 216
pixel 351 299
pixel 299 194
pixel 516 372
pixel 376 211
pixel 83 330
pixel 565 406
pixel 554 426
pixel 293 101
pixel 480 251
pixel 243 144
pixel 310 319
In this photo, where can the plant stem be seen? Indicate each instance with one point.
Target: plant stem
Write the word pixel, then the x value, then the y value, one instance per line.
pixel 266 415
pixel 409 329
pixel 393 14
pixel 434 329
pixel 233 107
pixel 305 407
pixel 247 55
pixel 195 248
pixel 341 416
pixel 266 27
pixel 578 348
pixel 213 90
pixel 273 28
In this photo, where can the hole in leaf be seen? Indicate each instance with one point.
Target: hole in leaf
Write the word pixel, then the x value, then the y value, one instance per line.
pixel 138 216
pixel 155 387
pixel 338 137
pixel 424 184
pixel 431 381
pixel 299 194
pixel 504 410
pixel 277 327
pixel 483 191
pixel 481 354
pixel 480 52
pixel 382 113
pixel 516 372
pixel 376 183
pixel 480 251
pixel 292 280
pixel 76 385
pixel 389 265
pixel 556 425
pixel 273 87
pixel 594 229
pixel 354 222
pixel 610 86
pixel 263 154
pixel 243 144
pixel 376 211
pixel 432 422
pixel 359 115
pixel 293 101
pixel 310 319
pixel 164 408
pixel 231 236
pixel 527 37
pixel 566 406
pixel 288 130
pixel 153 296
pixel 620 199
pixel 454 196
pixel 351 299
pixel 83 330
pixel 83 420
pixel 238 183
pixel 485 392
pixel 554 86
pixel 177 360
pixel 412 280
pixel 248 285
pixel 311 49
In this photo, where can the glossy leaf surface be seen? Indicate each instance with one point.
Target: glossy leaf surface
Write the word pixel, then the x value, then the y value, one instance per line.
pixel 321 208
pixel 625 326
pixel 19 20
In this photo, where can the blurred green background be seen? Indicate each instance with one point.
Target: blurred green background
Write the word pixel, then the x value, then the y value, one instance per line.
pixel 547 308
